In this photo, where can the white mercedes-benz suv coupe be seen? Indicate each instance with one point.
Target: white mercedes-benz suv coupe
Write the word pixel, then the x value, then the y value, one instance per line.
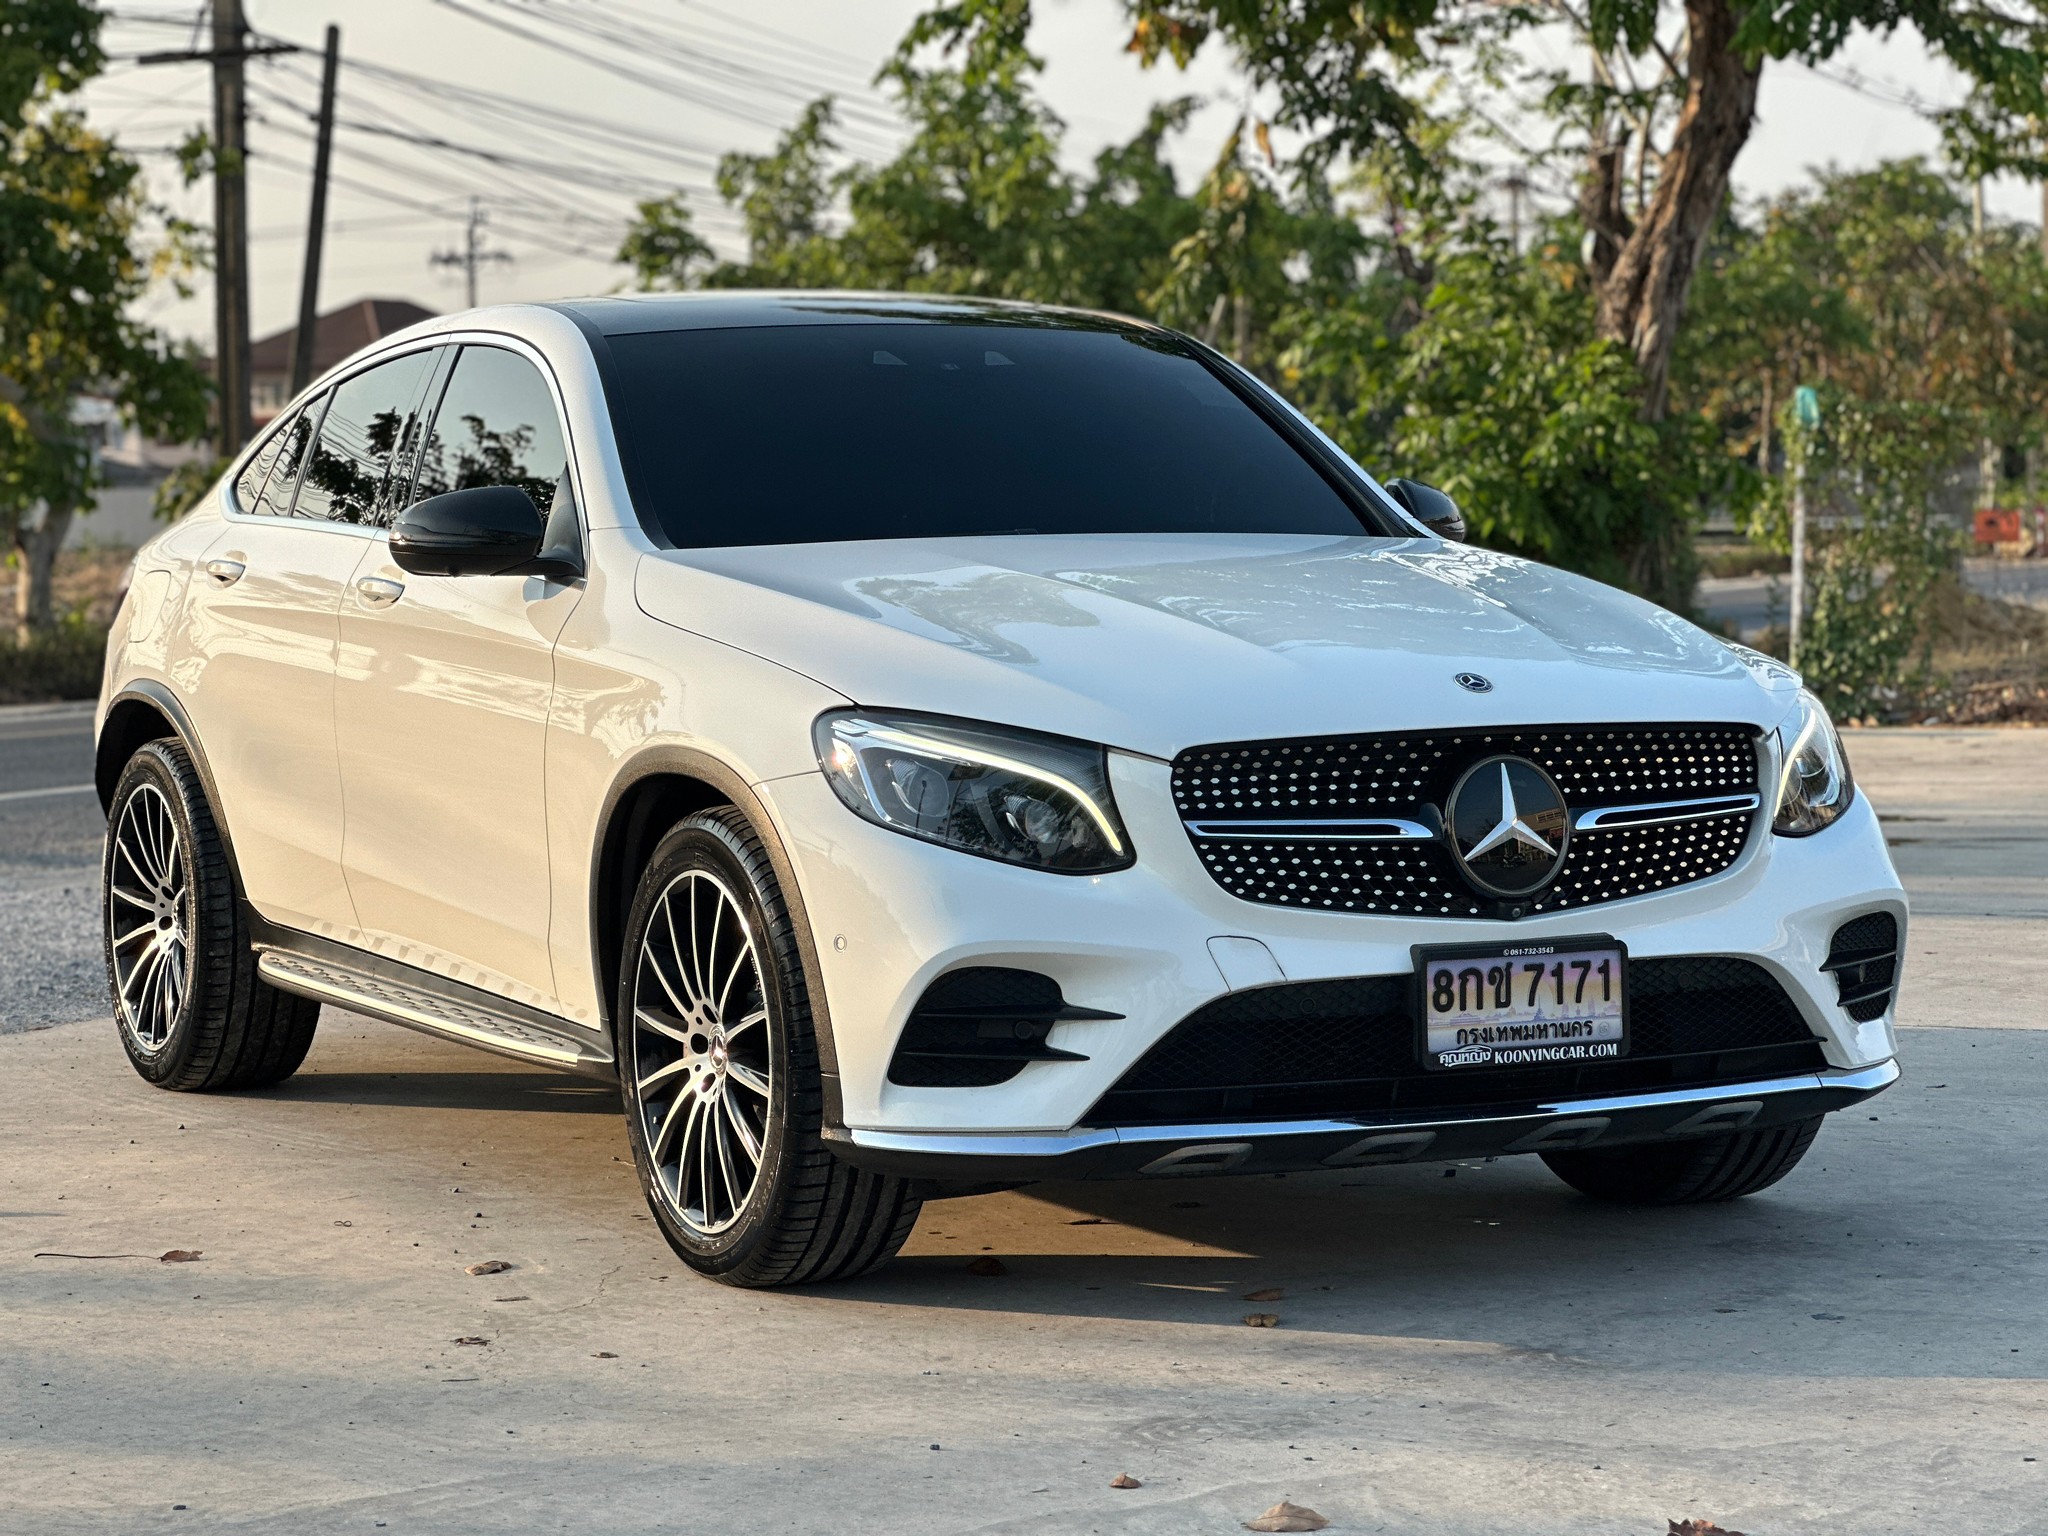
pixel 920 746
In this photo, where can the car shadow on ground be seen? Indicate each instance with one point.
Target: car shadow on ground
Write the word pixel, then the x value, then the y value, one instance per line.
pixel 517 1089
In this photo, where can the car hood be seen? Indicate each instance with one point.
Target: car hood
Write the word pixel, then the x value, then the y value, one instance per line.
pixel 1157 643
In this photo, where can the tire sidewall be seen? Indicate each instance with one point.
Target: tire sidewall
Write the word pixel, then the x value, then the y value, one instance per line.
pixel 152 766
pixel 707 844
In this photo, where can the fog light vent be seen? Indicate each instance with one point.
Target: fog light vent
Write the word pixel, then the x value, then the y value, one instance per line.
pixel 1864 960
pixel 977 1027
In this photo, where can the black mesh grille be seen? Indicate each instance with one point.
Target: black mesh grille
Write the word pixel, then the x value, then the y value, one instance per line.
pixel 1864 959
pixel 1399 775
pixel 1351 1047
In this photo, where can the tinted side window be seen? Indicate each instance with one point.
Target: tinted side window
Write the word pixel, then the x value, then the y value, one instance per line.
pixel 496 426
pixel 293 442
pixel 249 485
pixel 360 435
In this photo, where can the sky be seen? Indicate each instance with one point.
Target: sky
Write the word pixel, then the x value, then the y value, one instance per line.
pixel 559 133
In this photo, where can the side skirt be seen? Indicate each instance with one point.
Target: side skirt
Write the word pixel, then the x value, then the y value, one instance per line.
pixel 404 994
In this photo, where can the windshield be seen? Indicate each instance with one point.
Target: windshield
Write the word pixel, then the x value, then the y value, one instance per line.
pixel 804 434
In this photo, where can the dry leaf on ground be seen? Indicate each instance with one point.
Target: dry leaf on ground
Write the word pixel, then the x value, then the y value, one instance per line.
pixel 603 1354
pixel 1697 1528
pixel 180 1256
pixel 985 1265
pixel 487 1267
pixel 1125 1480
pixel 1287 1517
pixel 1262 1320
pixel 1271 1293
pixel 472 1338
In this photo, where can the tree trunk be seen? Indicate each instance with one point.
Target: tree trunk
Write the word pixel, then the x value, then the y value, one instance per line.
pixel 34 603
pixel 1642 296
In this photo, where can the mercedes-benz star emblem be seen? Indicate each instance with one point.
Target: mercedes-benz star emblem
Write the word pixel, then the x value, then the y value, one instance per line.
pixel 1507 824
pixel 1472 682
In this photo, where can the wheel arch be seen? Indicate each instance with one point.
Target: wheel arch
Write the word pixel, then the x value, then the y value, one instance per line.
pixel 145 711
pixel 656 790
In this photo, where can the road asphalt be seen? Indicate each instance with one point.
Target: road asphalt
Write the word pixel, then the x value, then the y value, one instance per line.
pixel 1745 606
pixel 1461 1349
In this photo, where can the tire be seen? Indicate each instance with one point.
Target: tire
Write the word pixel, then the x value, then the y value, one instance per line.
pixel 1688 1172
pixel 192 1012
pixel 717 1057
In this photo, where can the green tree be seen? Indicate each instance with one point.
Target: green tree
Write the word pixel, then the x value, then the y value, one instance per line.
pixel 976 201
pixel 71 267
pixel 1924 339
pixel 1658 118
pixel 662 245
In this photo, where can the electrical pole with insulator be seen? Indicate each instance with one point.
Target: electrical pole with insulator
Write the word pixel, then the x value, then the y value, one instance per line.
pixel 229 55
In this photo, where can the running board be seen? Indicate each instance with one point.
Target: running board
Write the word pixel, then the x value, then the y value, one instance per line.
pixel 403 994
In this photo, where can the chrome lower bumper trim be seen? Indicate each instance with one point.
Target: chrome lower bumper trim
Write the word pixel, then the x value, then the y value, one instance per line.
pixel 1010 1146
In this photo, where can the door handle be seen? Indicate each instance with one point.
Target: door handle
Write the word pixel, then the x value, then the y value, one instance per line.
pixel 377 592
pixel 226 572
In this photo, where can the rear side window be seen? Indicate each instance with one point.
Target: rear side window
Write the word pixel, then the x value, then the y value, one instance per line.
pixel 496 426
pixel 366 424
pixel 294 441
pixel 267 483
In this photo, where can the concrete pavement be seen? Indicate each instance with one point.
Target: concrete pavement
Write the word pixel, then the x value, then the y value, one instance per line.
pixel 1462 1350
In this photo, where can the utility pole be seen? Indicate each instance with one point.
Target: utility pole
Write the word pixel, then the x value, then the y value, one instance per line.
pixel 316 218
pixel 1806 412
pixel 472 255
pixel 230 52
pixel 230 225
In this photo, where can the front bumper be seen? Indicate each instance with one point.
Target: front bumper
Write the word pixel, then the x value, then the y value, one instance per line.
pixel 1164 1151
pixel 1153 943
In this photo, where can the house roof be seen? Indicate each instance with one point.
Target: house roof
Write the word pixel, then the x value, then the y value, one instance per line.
pixel 337 334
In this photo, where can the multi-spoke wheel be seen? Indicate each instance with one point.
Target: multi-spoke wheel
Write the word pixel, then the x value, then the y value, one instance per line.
pixel 701 1062
pixel 149 918
pixel 718 1063
pixel 191 1009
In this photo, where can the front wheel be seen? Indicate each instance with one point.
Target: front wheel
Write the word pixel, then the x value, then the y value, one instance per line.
pixel 1697 1172
pixel 718 1063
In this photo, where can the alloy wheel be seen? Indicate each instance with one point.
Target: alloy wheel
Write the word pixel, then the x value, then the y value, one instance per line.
pixel 148 918
pixel 701 1060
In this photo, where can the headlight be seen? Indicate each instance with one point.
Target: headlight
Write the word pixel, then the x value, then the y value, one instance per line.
pixel 1814 786
pixel 1012 795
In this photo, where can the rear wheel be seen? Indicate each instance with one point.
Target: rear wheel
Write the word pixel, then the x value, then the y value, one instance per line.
pixel 192 1012
pixel 1688 1172
pixel 718 1062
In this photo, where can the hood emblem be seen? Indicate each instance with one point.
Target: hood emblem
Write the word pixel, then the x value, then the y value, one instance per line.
pixel 1507 826
pixel 1472 682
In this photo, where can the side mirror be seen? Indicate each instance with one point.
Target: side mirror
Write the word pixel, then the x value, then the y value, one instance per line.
pixel 1430 507
pixel 487 530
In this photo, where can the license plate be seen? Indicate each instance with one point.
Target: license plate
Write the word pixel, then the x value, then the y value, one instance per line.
pixel 1514 1005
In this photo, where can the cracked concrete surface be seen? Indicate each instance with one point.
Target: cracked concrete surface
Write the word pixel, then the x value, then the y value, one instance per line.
pixel 1858 1350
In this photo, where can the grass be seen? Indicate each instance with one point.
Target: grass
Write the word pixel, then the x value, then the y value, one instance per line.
pixel 1739 557
pixel 64 662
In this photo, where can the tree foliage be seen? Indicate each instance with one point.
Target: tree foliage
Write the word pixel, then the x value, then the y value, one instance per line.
pixel 1368 280
pixel 72 265
pixel 1925 341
